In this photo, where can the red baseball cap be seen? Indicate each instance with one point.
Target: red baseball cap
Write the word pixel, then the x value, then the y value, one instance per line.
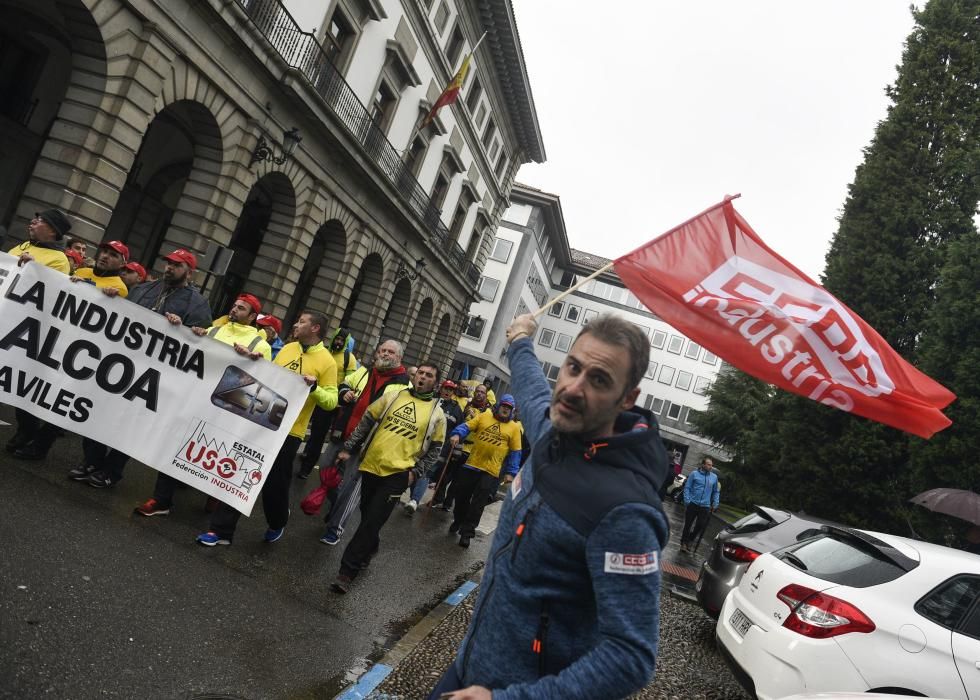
pixel 76 256
pixel 137 268
pixel 252 301
pixel 117 246
pixel 182 256
pixel 271 321
pixel 448 384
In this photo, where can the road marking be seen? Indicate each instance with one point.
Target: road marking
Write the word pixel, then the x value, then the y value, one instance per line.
pixel 367 683
pixel 456 597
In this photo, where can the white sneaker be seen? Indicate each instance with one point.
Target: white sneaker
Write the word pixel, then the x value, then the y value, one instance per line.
pixel 411 506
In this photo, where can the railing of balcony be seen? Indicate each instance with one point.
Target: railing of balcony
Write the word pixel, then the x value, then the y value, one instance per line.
pixel 302 51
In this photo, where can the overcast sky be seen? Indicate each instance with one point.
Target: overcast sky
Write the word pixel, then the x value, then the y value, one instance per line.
pixel 651 111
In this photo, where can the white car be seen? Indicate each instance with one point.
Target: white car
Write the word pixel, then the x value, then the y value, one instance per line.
pixel 849 610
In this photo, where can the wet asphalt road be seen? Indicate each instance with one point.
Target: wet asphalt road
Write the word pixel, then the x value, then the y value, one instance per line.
pixel 96 602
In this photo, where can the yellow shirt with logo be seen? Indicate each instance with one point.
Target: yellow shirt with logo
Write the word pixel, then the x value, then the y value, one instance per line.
pixel 232 333
pixel 398 441
pixel 492 441
pixel 318 362
pixel 111 281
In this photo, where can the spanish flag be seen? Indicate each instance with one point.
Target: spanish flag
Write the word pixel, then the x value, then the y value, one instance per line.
pixel 451 92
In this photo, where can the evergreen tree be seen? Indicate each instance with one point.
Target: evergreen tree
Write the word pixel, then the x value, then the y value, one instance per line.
pixel 914 194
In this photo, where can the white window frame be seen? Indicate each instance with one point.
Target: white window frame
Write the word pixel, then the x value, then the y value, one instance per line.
pixel 466 331
pixel 670 410
pixel 651 372
pixel 546 337
pixel 557 310
pixel 691 345
pixel 669 379
pixel 675 345
pixel 657 339
pixel 479 288
pixel 701 385
pixel 682 375
pixel 563 340
pixel 709 358
pixel 573 317
pixel 588 315
pixel 658 406
pixel 498 242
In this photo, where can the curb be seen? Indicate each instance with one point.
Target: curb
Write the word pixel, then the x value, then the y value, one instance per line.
pixel 375 675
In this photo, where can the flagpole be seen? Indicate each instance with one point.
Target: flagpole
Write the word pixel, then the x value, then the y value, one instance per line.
pixel 572 289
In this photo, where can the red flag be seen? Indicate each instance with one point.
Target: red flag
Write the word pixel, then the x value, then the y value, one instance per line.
pixel 714 279
pixel 451 92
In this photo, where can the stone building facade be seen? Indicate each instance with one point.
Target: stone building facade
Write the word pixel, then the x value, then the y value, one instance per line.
pixel 164 125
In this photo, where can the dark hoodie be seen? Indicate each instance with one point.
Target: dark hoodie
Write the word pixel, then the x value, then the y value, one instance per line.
pixel 569 604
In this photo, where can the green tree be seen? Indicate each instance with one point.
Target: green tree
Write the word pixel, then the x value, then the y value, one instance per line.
pixel 914 194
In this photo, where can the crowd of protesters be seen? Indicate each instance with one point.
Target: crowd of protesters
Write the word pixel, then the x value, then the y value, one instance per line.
pixel 580 600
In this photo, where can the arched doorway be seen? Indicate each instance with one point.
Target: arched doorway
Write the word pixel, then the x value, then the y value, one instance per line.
pixel 322 269
pixel 395 322
pixel 363 300
pixel 270 208
pixel 181 143
pixel 442 348
pixel 421 338
pixel 45 50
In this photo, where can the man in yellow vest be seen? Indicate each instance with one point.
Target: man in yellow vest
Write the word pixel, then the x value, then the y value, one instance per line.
pixel 305 356
pixel 400 437
pixel 496 441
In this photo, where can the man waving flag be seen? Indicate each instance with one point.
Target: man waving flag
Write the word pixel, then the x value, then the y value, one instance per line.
pixel 714 279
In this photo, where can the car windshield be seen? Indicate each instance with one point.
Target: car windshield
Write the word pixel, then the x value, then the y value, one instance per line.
pixel 838 561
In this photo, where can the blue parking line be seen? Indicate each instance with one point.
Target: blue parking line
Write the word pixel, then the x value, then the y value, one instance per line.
pixel 456 597
pixel 366 683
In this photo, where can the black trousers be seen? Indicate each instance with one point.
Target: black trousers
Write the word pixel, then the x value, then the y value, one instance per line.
pixel 275 494
pixel 695 521
pixel 443 494
pixel 379 494
pixel 104 458
pixel 320 423
pixel 40 433
pixel 472 490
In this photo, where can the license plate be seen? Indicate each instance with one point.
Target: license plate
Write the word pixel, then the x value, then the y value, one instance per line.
pixel 740 621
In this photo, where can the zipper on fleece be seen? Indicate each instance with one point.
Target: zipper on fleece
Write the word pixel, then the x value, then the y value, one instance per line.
pixel 538 645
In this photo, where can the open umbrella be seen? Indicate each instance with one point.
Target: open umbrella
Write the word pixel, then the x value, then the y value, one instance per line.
pixel 961 504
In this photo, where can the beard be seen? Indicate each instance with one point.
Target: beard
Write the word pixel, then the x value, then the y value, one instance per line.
pixel 385 363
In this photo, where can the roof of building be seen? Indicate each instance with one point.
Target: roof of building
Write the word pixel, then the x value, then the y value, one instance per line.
pixel 497 18
pixel 589 260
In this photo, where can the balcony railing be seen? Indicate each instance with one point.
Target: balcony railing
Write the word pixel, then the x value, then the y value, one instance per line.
pixel 302 51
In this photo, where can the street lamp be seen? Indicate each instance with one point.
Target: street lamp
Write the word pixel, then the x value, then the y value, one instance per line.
pixel 402 271
pixel 264 151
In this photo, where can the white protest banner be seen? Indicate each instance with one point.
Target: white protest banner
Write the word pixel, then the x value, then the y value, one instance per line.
pixel 112 371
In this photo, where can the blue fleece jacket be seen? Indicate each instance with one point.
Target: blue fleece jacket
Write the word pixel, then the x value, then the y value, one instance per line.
pixel 569 603
pixel 702 489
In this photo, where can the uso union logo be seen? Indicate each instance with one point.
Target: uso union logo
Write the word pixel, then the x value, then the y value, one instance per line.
pixel 215 452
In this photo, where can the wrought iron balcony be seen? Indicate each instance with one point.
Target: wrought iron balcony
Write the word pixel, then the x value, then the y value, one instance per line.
pixel 302 51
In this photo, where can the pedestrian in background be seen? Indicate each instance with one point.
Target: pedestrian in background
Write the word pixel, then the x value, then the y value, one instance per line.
pixel 702 495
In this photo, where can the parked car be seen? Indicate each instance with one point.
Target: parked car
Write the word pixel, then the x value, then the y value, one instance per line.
pixel 675 491
pixel 740 543
pixel 850 610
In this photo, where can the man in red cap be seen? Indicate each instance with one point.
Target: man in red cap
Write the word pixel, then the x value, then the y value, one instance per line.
pixel 109 261
pixel 175 298
pixel 272 327
pixel 247 340
pixel 132 274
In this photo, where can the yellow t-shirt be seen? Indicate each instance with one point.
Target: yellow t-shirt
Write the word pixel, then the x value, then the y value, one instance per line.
pixel 397 443
pixel 232 333
pixel 493 440
pixel 343 372
pixel 49 257
pixel 318 362
pixel 113 281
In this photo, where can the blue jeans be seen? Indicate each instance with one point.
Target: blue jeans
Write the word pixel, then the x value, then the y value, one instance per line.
pixel 418 489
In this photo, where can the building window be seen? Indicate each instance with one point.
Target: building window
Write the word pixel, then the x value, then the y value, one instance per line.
pixel 550 372
pixel 658 339
pixel 690 416
pixel 651 371
pixel 674 411
pixel 439 190
pixel 666 375
pixel 455 46
pixel 536 286
pixel 684 380
pixel 487 288
pixel 676 344
pixel 501 164
pixel 701 386
pixel 564 342
pixel 709 358
pixel 588 315
pixel 658 406
pixel 493 149
pixel 474 327
pixel 546 337
pixel 339 38
pixel 521 309
pixel 501 250
pixel 489 133
pixel 480 114
pixel 441 18
pixel 415 155
pixel 459 216
pixel 573 313
pixel 693 350
pixel 383 105
pixel 473 96
pixel 557 309
pixel 633 302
